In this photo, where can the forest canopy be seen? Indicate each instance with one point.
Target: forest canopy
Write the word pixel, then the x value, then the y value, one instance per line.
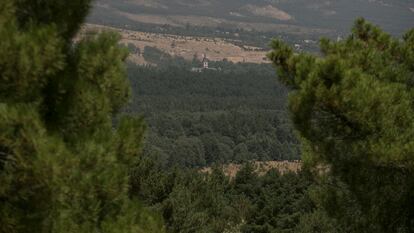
pixel 236 113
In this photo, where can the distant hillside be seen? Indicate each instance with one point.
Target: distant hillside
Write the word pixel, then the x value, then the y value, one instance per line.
pixel 285 16
pixel 216 49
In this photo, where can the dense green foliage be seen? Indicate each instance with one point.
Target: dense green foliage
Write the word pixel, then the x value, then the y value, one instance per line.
pixel 354 110
pixel 196 119
pixel 194 202
pixel 63 166
pixel 69 162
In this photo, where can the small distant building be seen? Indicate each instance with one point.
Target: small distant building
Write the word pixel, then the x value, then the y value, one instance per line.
pixel 205 64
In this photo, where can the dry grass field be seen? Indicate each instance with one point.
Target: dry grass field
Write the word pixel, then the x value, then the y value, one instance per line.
pixel 216 49
pixel 261 168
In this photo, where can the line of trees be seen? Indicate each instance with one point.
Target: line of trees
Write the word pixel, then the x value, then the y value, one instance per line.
pixel 191 201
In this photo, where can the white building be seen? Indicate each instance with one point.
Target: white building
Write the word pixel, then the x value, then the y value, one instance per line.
pixel 205 62
pixel 205 66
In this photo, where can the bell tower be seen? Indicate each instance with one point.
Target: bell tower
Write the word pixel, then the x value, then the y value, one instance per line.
pixel 205 61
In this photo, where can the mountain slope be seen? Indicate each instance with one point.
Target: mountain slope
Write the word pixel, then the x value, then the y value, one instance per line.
pixel 396 16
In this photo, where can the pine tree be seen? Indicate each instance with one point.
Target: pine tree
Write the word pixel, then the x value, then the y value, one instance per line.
pixel 64 167
pixel 353 108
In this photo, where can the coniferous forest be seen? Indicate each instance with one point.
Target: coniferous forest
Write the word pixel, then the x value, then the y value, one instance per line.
pixel 90 143
pixel 197 119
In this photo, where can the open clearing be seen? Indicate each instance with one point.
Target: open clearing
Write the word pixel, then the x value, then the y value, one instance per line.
pixel 261 168
pixel 187 47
